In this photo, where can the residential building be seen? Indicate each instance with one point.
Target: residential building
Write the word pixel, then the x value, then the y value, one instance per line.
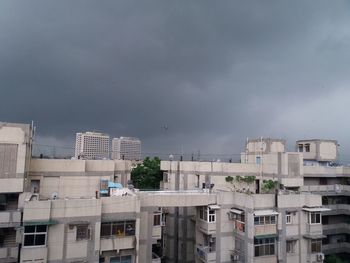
pixel 126 148
pixel 273 206
pixel 92 145
pixel 15 141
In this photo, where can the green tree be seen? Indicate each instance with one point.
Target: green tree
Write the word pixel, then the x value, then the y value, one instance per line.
pixel 147 175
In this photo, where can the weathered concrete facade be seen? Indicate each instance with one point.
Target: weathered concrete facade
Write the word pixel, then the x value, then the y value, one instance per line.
pixel 258 210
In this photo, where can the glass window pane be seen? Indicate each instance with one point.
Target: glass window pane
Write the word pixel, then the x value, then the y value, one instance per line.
pixel 118 229
pixel 106 229
pixel 28 240
pixel 41 228
pixel 29 229
pixel 130 229
pixel 40 239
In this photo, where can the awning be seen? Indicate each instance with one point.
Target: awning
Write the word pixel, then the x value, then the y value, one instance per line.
pixel 265 213
pixel 316 209
pixel 76 223
pixel 292 238
pixel 265 236
pixel 36 223
pixel 214 207
pixel 236 211
pixel 315 236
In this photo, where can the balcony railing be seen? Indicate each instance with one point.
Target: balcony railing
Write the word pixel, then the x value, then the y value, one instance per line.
pixel 265 230
pixel 205 254
pixel 10 218
pixel 8 253
pixel 335 188
pixel 239 226
pixel 117 243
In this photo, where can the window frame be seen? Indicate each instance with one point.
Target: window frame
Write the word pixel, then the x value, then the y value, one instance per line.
pixel 157 219
pixel 289 220
pixel 314 218
pixel 206 214
pixel 118 225
pixel 79 231
pixel 34 234
pixel 290 246
pixel 315 246
pixel 264 246
pixel 265 220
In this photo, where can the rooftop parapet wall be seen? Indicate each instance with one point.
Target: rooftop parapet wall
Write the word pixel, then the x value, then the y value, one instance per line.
pixel 18 134
pixel 177 198
pixel 78 166
pixel 299 200
pixel 57 165
pixel 120 204
pixel 215 167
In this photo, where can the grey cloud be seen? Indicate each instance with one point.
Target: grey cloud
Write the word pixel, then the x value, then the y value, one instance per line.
pixel 216 72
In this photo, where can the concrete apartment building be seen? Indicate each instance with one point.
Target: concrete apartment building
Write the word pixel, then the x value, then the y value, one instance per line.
pixel 91 145
pixel 126 148
pixel 77 210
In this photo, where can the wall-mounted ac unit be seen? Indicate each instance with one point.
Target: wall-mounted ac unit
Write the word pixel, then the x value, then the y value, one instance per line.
pixel 234 257
pixel 320 257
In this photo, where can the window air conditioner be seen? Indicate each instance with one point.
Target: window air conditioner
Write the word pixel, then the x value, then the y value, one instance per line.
pixel 320 257
pixel 234 257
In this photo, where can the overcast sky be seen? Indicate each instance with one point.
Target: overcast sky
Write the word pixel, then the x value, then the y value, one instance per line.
pixel 212 72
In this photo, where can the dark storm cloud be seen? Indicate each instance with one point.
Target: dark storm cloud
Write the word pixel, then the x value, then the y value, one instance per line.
pixel 214 73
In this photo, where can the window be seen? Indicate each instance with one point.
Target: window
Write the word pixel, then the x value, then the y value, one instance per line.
pixel 157 219
pixel 207 214
pixel 35 235
pixel 239 222
pixel 258 160
pixel 82 232
pixel 119 229
pixel 8 160
pixel 316 246
pixel 307 147
pixel 300 147
pixel 290 246
pixel 314 218
pixel 288 218
pixel 264 246
pixel 264 220
pixel 121 259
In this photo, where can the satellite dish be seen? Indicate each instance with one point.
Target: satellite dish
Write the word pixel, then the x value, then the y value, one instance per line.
pixel 54 196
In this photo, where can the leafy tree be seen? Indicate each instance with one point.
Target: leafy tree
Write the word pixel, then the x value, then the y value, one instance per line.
pixel 147 175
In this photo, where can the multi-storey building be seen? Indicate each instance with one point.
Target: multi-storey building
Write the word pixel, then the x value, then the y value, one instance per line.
pixel 260 214
pixel 258 210
pixel 15 141
pixel 91 145
pixel 126 148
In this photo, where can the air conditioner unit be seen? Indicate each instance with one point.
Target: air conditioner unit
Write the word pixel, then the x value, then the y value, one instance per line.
pixel 162 223
pixel 234 257
pixel 320 257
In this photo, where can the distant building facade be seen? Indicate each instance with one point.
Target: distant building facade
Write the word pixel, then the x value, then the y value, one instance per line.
pixel 126 148
pixel 91 145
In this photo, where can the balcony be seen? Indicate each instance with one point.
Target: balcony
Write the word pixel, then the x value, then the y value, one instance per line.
pixel 155 258
pixel 334 229
pixel 206 227
pixel 34 254
pixel 9 254
pixel 261 230
pixel 157 232
pixel 325 189
pixel 314 229
pixel 117 243
pixel 205 254
pixel 239 227
pixel 10 219
pixel 336 248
